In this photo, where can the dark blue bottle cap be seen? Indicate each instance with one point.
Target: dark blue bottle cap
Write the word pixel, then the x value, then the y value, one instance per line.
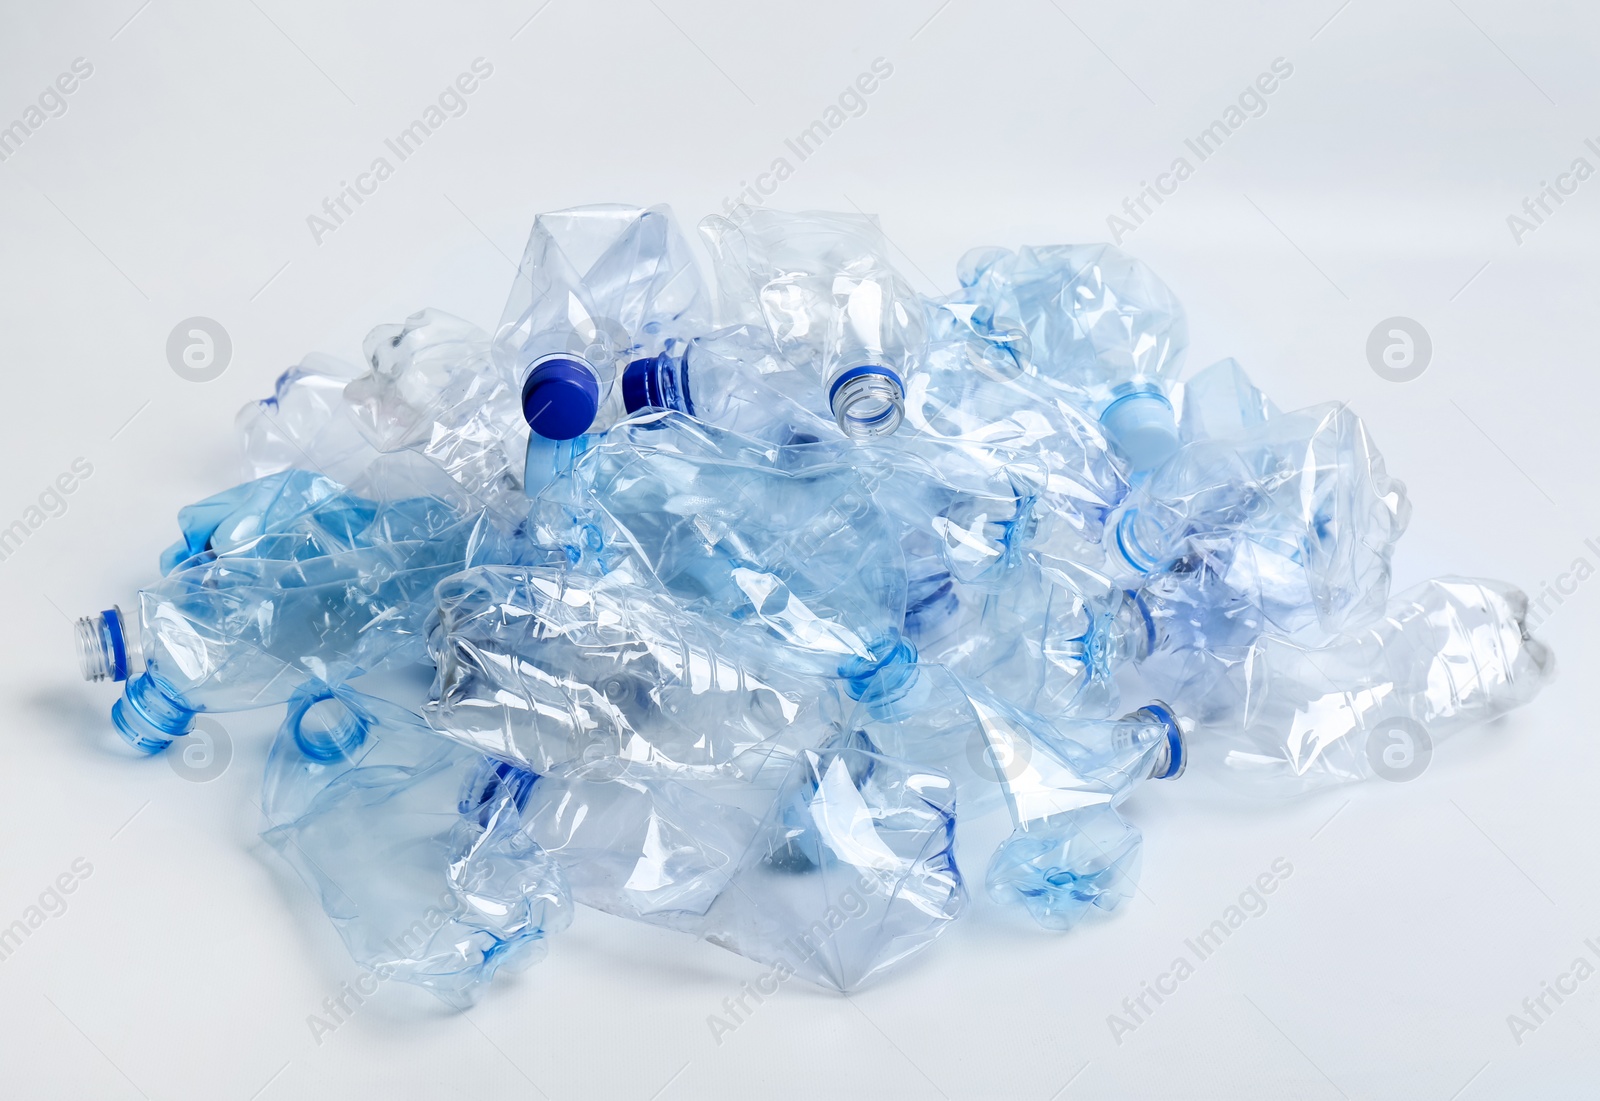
pixel 640 390
pixel 560 398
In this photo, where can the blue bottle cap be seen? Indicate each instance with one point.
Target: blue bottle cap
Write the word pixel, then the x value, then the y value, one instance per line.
pixel 560 398
pixel 1141 425
pixel 640 386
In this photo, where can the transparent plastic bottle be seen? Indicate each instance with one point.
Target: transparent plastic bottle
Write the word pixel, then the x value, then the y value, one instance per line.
pixel 790 538
pixel 1448 654
pixel 1060 781
pixel 1101 328
pixel 733 379
pixel 598 287
pixel 543 667
pixel 972 398
pixel 1300 507
pixel 1051 642
pixel 326 590
pixel 413 844
pixel 822 285
pixel 842 870
pixel 431 390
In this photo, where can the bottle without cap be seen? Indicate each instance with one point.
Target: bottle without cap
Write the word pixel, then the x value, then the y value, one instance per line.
pixel 823 287
pixel 1100 327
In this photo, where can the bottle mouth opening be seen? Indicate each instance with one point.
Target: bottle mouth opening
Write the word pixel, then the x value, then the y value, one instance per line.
pixel 1170 765
pixel 867 401
pixel 325 727
pixel 149 716
pixel 884 676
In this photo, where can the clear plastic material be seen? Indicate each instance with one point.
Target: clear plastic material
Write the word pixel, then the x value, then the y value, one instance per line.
pixel 1447 654
pixel 1061 780
pixel 1099 326
pixel 734 379
pixel 413 845
pixel 543 667
pixel 1299 513
pixel 431 390
pixel 599 287
pixel 823 286
pixel 1221 403
pixel 849 870
pixel 790 538
pixel 294 579
pixel 1050 642
pixel 974 401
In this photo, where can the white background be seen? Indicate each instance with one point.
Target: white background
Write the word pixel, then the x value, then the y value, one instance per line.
pixel 1378 183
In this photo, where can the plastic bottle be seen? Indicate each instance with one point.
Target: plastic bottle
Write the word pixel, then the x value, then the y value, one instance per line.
pixel 822 285
pixel 973 399
pixel 1101 327
pixel 1300 507
pixel 1448 654
pixel 790 538
pixel 325 591
pixel 598 287
pixel 842 870
pixel 1060 781
pixel 733 379
pixel 1051 642
pixel 431 390
pixel 542 667
pixel 413 845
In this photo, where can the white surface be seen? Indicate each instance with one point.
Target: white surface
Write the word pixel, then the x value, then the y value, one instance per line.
pixel 178 182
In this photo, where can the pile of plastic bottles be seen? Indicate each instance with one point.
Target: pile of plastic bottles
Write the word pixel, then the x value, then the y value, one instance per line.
pixel 739 611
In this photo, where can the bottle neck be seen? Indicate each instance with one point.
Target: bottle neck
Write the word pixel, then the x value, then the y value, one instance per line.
pixel 1162 735
pixel 867 401
pixel 1135 541
pixel 325 727
pixel 659 382
pixel 107 650
pixel 1131 635
pixel 150 715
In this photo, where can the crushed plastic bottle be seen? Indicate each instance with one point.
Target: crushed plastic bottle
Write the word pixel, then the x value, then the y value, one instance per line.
pixel 823 287
pixel 1061 782
pixel 411 842
pixel 543 667
pixel 1098 325
pixel 275 583
pixel 1451 653
pixel 848 872
pixel 1051 642
pixel 791 538
pixel 431 390
pixel 1299 511
pixel 734 379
